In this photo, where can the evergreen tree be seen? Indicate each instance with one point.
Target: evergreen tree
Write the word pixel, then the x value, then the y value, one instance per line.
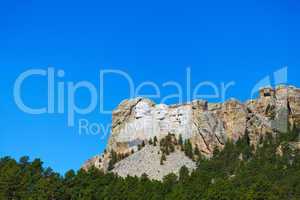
pixel 144 177
pixel 169 182
pixel 180 141
pixel 183 174
pixel 155 141
pixel 197 152
pixel 110 165
pixel 151 141
pixel 188 149
pixel 113 160
pixel 162 159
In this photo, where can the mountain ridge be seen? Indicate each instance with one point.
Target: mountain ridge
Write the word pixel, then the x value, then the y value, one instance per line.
pixel 208 126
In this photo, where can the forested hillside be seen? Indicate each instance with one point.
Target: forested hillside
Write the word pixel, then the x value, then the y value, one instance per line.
pixel 269 171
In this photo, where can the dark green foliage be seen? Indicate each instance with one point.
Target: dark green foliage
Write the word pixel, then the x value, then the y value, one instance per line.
pixel 235 173
pixel 183 174
pixel 155 141
pixel 113 160
pixel 151 141
pixel 188 149
pixel 169 182
pixel 139 147
pixel 28 180
pixel 197 154
pixel 167 144
pixel 180 141
pixel 162 159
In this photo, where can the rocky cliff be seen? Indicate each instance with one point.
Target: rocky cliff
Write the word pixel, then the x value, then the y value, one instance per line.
pixel 206 125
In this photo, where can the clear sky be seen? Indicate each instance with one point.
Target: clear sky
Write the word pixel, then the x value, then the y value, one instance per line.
pixel 221 41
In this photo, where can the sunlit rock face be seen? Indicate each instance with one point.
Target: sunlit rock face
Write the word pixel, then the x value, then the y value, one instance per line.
pixel 207 125
pixel 206 128
pixel 273 111
pixel 145 120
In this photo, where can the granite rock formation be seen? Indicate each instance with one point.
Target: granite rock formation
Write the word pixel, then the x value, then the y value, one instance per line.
pixel 206 125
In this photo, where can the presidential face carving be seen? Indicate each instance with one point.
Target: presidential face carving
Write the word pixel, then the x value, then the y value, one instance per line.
pixel 142 109
pixel 161 112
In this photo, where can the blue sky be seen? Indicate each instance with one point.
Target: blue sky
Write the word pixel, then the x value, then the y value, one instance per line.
pixel 221 41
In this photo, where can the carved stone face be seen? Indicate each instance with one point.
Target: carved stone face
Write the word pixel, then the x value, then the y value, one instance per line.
pixel 161 112
pixel 141 109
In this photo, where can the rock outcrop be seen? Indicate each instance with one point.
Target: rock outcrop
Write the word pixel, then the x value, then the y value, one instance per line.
pixel 147 161
pixel 206 125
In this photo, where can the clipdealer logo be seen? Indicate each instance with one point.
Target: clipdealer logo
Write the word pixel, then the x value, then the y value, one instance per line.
pixel 61 94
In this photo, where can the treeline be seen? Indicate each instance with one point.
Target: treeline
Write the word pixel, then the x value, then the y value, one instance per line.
pixel 236 173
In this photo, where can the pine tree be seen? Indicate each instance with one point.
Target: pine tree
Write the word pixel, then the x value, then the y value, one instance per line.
pixel 197 153
pixel 188 149
pixel 113 160
pixel 180 141
pixel 110 165
pixel 144 177
pixel 166 151
pixel 162 159
pixel 183 174
pixel 155 141
pixel 151 141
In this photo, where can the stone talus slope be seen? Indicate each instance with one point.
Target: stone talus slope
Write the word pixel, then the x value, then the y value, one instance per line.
pixel 147 161
pixel 206 125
